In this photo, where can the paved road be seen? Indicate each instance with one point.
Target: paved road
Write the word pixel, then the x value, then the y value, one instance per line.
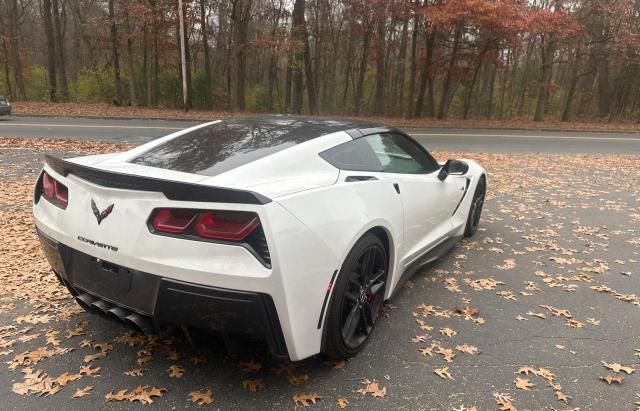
pixel 512 141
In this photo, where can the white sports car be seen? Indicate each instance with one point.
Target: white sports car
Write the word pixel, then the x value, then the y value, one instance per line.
pixel 293 229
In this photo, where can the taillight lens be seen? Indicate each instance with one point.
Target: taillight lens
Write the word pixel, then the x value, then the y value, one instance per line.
pixel 48 186
pixel 173 221
pixel 216 225
pixel 226 225
pixel 241 228
pixel 54 191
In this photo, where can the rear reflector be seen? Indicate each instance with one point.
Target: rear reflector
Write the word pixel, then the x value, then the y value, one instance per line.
pixel 226 225
pixel 173 221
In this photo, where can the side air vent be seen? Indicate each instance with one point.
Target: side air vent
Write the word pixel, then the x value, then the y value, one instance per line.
pixel 258 243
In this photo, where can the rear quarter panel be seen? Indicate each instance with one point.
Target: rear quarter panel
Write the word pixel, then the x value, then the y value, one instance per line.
pixel 340 214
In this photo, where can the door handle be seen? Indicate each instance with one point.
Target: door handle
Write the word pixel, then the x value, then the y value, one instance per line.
pixel 397 187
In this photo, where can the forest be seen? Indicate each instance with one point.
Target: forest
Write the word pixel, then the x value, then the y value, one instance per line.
pixel 566 60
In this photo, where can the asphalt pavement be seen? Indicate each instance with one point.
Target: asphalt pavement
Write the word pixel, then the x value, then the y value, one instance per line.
pixel 546 292
pixel 544 296
pixel 470 140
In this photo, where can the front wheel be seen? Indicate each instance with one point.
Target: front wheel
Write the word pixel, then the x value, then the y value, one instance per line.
pixel 473 219
pixel 357 298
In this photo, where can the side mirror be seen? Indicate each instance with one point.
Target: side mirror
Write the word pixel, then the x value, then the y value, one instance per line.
pixel 453 167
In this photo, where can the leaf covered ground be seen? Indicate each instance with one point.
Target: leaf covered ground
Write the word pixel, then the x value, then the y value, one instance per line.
pixel 540 310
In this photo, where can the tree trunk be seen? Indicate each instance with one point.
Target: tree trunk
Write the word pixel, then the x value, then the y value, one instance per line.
pixel 187 57
pixel 146 65
pixel 378 105
pixel 413 64
pixel 240 16
pixel 548 51
pixel 492 83
pixel 448 81
pixel 14 51
pixel 7 72
pixel 114 53
pixel 298 32
pixel 425 74
pixel 566 109
pixel 523 92
pixel 400 70
pixel 604 91
pixel 348 68
pixel 133 101
pixel 51 50
pixel 60 62
pixel 205 49
pixel 287 83
pixel 311 84
pixel 364 59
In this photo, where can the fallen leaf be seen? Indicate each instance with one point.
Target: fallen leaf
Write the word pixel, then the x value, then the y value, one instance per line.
pixel 304 398
pixel 175 371
pixel 298 379
pixel 372 388
pixel 254 385
pixel 443 373
pixel 201 397
pixel 504 401
pixel 469 349
pixel 560 396
pixel 615 367
pixel 89 372
pixel 523 383
pixel 82 392
pixel 448 332
pixel 609 379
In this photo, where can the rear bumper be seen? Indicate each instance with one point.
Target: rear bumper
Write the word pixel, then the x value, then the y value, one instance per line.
pixel 149 302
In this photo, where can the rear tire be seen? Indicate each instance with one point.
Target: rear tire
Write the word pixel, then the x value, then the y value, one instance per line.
pixel 357 298
pixel 475 211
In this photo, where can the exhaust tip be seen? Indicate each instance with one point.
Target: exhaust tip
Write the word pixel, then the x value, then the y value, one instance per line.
pixel 118 313
pixel 102 306
pixel 141 323
pixel 85 301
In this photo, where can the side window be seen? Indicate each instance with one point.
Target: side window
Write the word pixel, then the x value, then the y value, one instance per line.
pixel 355 155
pixel 398 154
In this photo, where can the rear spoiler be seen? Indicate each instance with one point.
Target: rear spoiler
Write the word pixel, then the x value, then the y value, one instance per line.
pixel 173 190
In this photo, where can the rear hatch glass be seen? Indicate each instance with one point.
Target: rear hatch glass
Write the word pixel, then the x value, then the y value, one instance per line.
pixel 223 146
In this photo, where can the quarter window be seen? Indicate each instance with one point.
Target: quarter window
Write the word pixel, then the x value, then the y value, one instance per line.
pixel 387 152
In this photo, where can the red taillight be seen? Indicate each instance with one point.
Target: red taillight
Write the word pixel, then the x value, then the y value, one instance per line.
pixel 54 191
pixel 62 195
pixel 226 225
pixel 48 186
pixel 173 221
pixel 215 225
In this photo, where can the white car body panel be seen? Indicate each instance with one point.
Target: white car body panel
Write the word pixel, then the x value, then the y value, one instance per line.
pixel 314 219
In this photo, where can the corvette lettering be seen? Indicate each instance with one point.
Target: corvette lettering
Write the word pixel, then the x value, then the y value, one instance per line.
pixel 97 244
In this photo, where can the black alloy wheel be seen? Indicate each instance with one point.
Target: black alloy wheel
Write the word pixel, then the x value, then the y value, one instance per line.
pixel 473 221
pixel 357 298
pixel 363 298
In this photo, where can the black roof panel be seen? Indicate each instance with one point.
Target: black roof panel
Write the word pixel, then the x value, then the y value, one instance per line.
pixel 220 147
